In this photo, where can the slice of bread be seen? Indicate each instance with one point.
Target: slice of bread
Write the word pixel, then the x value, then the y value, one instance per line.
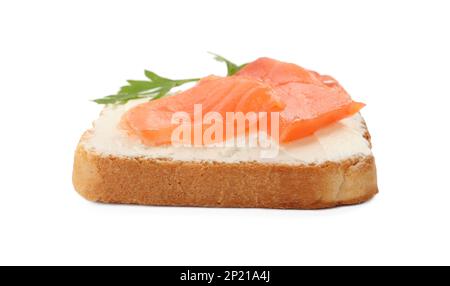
pixel 333 167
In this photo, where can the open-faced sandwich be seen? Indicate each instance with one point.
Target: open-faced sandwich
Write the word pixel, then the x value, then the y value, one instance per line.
pixel 270 134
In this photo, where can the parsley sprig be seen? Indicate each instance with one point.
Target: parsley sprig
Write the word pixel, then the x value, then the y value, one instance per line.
pixel 232 68
pixel 156 86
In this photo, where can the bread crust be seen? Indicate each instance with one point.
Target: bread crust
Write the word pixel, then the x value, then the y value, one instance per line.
pixel 144 181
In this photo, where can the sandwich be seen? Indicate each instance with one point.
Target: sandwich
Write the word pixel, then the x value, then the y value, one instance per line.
pixel 270 134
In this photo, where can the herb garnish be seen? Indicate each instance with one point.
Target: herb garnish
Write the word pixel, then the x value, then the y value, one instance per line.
pixel 232 68
pixel 156 86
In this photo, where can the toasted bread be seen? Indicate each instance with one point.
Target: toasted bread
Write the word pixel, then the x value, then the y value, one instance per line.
pixel 129 173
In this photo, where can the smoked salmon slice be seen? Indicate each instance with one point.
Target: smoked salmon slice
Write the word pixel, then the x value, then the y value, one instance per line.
pixel 306 100
pixel 312 100
pixel 152 121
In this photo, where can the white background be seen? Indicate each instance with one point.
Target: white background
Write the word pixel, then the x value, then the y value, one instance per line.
pixel 57 55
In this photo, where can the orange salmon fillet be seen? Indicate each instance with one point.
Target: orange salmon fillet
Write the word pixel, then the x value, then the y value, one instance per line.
pixel 312 101
pixel 306 100
pixel 151 121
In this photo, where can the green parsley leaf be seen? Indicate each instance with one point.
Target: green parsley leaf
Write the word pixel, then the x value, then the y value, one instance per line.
pixel 155 87
pixel 232 68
